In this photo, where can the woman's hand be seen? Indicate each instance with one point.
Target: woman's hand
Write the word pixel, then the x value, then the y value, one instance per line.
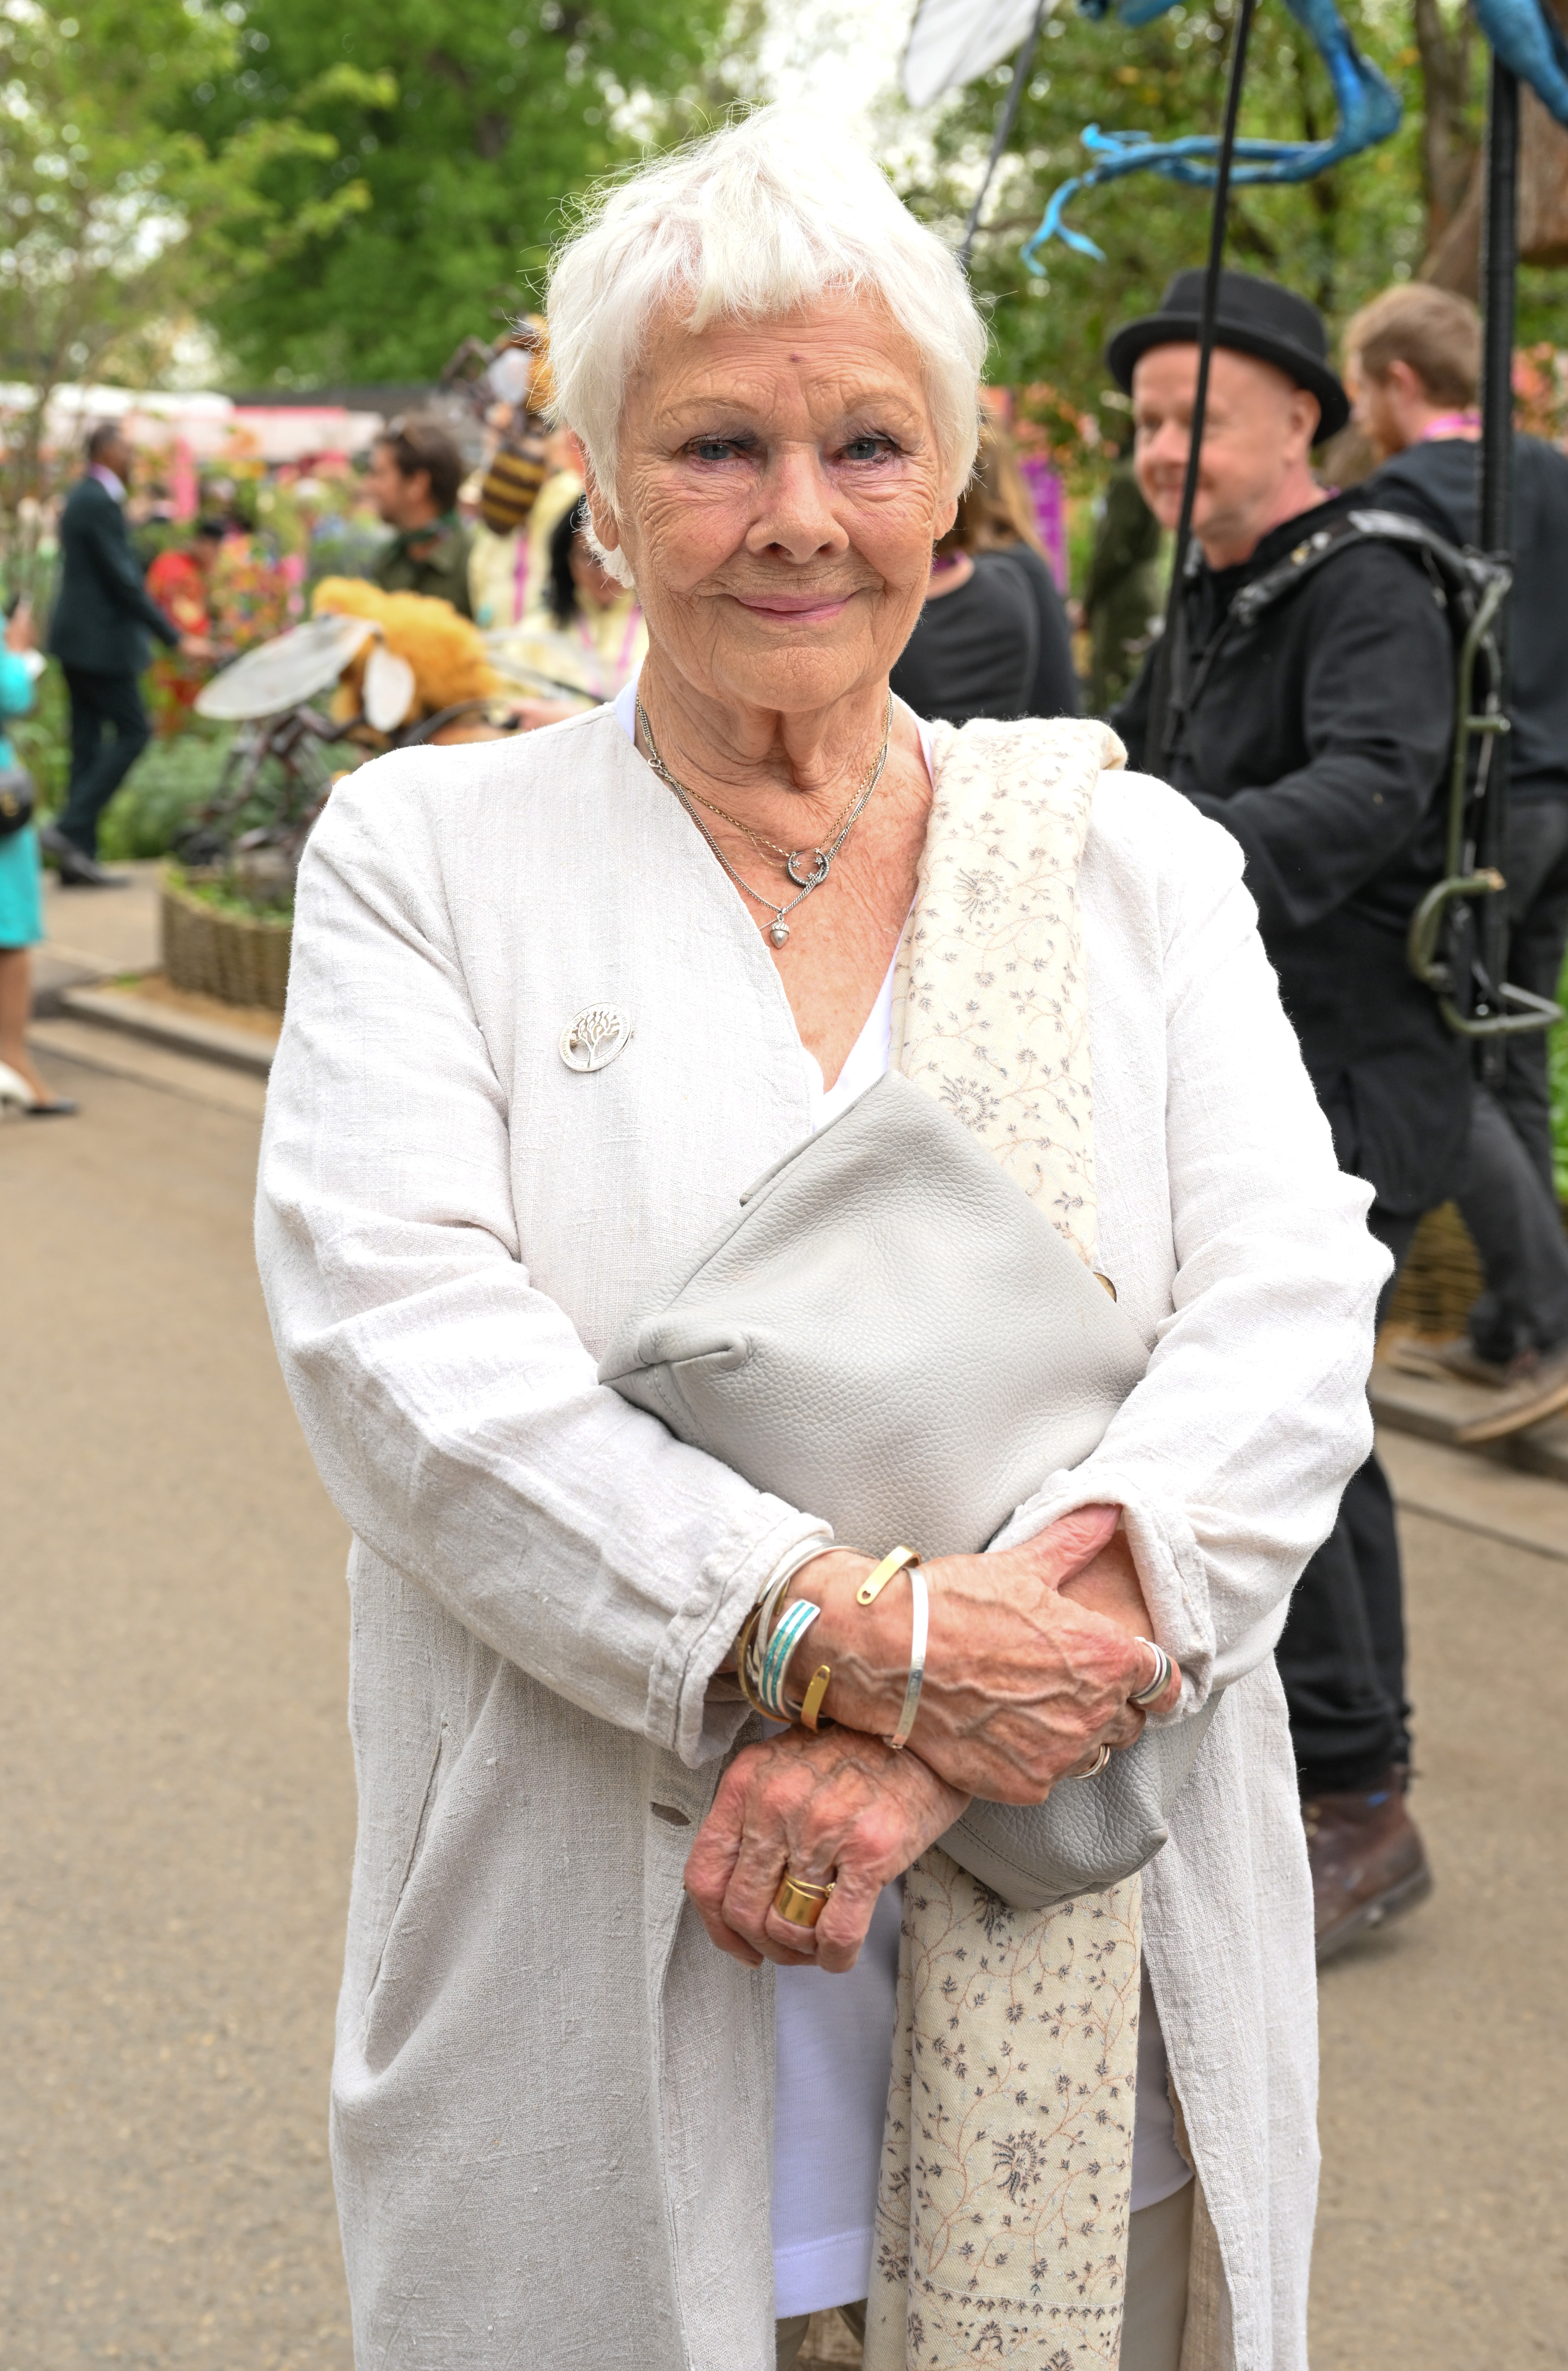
pixel 841 1805
pixel 1022 1683
pixel 21 633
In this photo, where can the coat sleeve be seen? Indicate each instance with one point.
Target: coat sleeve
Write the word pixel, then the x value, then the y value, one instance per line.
pixel 454 1414
pixel 1377 705
pixel 107 548
pixel 1230 1456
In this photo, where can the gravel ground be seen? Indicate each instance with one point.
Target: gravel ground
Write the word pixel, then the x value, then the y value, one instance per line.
pixel 175 1863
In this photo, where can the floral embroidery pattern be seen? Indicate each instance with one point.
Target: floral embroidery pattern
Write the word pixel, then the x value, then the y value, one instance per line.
pixel 991 1011
pixel 1008 2155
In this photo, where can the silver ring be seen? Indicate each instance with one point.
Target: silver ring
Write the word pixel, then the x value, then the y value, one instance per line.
pixel 1161 1681
pixel 1095 1766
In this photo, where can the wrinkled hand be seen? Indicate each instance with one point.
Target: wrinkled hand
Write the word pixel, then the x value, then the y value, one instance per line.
pixel 1023 1682
pixel 839 1805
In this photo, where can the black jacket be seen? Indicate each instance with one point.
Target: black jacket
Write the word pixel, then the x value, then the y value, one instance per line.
pixel 103 613
pixel 997 646
pixel 1320 737
pixel 1439 483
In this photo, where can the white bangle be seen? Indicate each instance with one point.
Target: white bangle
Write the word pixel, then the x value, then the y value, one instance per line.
pixel 921 1598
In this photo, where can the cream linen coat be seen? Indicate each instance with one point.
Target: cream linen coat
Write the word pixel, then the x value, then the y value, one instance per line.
pixel 551 2097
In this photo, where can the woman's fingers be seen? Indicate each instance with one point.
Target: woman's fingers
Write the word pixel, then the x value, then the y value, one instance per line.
pixel 1065 1546
pixel 710 1863
pixel 839 1806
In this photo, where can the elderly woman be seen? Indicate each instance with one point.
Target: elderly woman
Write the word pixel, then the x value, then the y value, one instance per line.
pixel 598 2100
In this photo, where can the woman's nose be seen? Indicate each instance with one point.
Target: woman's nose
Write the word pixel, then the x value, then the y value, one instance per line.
pixel 795 514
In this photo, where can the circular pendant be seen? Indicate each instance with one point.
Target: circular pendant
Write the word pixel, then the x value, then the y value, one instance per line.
pixel 779 933
pixel 817 874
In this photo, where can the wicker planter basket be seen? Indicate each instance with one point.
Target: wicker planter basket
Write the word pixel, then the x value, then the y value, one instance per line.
pixel 241 959
pixel 1441 1278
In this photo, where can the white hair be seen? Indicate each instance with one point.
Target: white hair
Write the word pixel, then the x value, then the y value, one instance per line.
pixel 753 223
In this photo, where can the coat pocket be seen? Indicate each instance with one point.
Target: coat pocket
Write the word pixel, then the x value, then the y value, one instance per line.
pixel 416 1846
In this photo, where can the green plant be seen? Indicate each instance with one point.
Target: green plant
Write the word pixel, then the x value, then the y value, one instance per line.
pixel 41 738
pixel 162 789
pixel 1557 1056
pixel 224 898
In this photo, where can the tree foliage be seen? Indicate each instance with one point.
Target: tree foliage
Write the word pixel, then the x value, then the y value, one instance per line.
pixel 491 113
pixel 1337 239
pixel 112 215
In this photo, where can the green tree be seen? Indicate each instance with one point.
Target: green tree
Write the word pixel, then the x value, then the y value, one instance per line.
pixel 1337 239
pixel 494 114
pixel 113 218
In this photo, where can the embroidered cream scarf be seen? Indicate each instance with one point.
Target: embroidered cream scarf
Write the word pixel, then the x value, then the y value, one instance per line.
pixel 1007 2155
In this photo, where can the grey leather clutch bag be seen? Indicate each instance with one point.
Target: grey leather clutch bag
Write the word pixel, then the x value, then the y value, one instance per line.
pixel 892 1336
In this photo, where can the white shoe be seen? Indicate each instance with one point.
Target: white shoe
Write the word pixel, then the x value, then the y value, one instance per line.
pixel 14 1089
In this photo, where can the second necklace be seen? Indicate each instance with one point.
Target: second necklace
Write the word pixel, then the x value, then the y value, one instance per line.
pixel 821 858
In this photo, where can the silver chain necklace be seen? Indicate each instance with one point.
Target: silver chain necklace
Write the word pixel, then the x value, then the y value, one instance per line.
pixel 821 858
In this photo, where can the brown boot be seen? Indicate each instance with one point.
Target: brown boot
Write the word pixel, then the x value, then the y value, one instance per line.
pixel 1368 1862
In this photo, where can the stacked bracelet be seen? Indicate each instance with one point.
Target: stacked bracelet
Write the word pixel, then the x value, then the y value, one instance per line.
pixel 791 1627
pixel 763 1651
pixel 768 1640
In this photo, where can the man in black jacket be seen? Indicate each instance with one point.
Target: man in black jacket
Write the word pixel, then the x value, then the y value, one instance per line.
pixel 1413 359
pixel 102 618
pixel 1317 732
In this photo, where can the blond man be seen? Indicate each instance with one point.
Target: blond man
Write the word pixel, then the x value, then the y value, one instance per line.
pixel 1413 364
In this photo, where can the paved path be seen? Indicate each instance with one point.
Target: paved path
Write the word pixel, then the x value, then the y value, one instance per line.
pixel 174 1861
pixel 173 1761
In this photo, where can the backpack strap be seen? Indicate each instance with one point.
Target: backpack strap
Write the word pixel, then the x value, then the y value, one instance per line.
pixel 1459 578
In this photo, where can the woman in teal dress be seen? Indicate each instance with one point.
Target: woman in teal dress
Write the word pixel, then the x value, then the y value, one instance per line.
pixel 21 901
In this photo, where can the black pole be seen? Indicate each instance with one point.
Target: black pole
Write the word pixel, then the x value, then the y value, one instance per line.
pixel 1003 129
pixel 1499 270
pixel 1159 689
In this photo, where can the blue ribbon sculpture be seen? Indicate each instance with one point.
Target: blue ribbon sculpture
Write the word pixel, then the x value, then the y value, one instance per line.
pixel 1524 33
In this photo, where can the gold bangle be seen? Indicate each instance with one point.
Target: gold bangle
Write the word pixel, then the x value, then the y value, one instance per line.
pixel 811 1702
pixel 742 1648
pixel 799 1903
pixel 897 1560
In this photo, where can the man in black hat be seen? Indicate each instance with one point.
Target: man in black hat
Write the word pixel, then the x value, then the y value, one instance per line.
pixel 1316 727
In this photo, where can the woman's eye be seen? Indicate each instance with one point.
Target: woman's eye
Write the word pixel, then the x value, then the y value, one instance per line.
pixel 712 449
pixel 868 448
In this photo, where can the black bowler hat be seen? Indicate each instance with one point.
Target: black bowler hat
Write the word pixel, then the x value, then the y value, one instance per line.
pixel 1255 317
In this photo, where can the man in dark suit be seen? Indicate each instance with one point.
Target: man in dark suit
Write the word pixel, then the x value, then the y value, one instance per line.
pixel 102 618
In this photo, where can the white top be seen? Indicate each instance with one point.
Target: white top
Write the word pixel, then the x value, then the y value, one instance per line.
pixel 833 2050
pixel 452 1225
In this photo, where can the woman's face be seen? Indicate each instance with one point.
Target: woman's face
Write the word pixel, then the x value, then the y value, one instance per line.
pixel 780 491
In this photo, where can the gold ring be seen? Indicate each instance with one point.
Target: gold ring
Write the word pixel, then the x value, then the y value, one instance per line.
pixel 800 1904
pixel 1095 1766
